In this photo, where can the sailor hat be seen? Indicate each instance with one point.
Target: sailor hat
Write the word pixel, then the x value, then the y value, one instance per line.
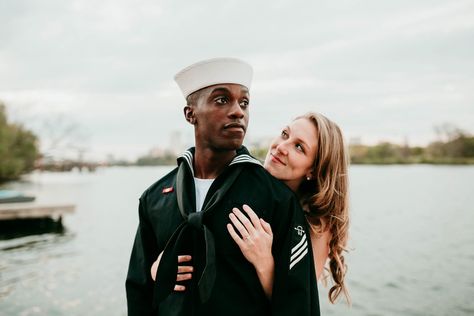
pixel 213 71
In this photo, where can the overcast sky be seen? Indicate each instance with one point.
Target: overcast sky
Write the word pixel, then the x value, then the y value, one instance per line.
pixel 383 70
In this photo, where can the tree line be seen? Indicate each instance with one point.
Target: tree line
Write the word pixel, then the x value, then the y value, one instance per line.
pixel 453 146
pixel 18 148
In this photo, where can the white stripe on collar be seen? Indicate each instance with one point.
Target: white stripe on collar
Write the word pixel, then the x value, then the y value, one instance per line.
pixel 243 158
pixel 188 156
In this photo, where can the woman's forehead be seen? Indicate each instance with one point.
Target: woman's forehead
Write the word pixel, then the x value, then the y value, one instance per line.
pixel 305 130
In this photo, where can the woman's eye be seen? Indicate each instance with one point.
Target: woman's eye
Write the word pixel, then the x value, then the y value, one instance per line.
pixel 284 134
pixel 299 147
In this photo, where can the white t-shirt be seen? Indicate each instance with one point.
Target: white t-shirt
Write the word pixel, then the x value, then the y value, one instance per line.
pixel 202 186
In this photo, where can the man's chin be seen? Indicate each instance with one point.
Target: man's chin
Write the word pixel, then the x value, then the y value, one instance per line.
pixel 237 144
pixel 231 145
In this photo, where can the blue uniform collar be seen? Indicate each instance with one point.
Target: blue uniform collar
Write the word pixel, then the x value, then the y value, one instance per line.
pixel 243 156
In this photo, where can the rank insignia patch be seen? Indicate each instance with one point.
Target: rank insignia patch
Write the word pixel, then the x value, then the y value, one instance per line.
pixel 167 190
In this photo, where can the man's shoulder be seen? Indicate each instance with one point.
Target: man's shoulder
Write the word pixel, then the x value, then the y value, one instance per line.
pixel 267 181
pixel 277 203
pixel 165 184
pixel 261 189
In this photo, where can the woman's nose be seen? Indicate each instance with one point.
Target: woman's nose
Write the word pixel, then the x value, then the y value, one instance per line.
pixel 282 148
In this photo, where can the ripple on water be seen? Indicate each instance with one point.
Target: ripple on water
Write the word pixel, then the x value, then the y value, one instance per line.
pixel 437 288
pixel 466 309
pixel 392 285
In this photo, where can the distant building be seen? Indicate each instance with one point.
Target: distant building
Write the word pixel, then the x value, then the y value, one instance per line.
pixel 176 143
pixel 354 141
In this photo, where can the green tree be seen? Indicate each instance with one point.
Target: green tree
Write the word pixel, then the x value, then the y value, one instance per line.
pixel 385 153
pixel 18 148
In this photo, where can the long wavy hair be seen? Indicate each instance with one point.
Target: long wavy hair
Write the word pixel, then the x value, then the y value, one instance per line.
pixel 325 197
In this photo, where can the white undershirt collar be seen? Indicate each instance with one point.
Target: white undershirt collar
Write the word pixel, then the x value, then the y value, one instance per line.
pixel 202 187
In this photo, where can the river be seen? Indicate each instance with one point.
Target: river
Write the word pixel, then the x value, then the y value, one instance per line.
pixel 411 243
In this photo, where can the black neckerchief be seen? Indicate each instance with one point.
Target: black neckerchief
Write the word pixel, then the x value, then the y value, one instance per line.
pixel 168 267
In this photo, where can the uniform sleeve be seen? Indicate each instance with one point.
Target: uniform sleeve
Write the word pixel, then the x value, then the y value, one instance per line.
pixel 139 285
pixel 295 289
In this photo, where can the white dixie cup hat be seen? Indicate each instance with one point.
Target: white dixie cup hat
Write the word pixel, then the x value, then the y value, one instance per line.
pixel 213 71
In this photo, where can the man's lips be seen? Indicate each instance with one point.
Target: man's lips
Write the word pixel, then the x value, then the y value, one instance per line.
pixel 234 126
pixel 276 159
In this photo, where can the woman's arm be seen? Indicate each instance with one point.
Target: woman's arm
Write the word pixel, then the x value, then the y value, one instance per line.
pixel 154 266
pixel 320 243
pixel 255 240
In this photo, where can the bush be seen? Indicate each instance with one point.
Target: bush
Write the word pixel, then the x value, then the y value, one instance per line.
pixel 18 148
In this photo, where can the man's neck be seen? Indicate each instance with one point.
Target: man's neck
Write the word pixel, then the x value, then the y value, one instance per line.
pixel 208 163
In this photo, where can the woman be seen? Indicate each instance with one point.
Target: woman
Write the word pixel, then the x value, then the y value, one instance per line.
pixel 309 156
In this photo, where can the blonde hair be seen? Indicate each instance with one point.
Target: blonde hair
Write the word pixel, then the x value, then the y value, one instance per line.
pixel 325 197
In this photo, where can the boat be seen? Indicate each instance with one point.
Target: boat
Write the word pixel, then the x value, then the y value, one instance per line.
pixel 11 196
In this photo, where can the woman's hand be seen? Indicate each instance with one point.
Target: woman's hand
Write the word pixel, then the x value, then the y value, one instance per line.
pixel 184 271
pixel 256 237
pixel 255 240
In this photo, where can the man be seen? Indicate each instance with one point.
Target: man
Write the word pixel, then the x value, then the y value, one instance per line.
pixel 186 212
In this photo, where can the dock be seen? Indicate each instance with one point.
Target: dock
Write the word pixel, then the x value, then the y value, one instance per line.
pixel 19 211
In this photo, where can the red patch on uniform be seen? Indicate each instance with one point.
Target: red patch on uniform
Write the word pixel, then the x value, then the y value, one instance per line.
pixel 167 190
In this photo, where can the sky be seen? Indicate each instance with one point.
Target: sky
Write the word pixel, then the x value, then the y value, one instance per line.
pixel 97 76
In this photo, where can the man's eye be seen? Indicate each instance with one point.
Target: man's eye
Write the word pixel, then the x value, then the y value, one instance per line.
pixel 244 103
pixel 221 100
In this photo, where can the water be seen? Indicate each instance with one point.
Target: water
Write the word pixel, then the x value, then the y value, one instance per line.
pixel 411 243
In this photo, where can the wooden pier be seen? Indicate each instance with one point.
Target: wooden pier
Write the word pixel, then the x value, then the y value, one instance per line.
pixel 19 211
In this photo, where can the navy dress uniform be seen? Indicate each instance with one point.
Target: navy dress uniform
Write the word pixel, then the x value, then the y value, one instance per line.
pixel 224 282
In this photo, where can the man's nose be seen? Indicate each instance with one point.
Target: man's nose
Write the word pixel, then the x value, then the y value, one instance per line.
pixel 236 111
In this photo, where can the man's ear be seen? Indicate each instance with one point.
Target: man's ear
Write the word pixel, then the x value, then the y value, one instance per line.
pixel 189 114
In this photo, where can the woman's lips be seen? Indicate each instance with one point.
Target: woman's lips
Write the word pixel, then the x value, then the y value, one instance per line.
pixel 276 159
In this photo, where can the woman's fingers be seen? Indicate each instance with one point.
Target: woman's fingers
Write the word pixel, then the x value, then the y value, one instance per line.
pixel 234 235
pixel 184 277
pixel 253 217
pixel 179 288
pixel 266 227
pixel 184 258
pixel 256 246
pixel 244 220
pixel 238 224
pixel 185 269
pixel 184 273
